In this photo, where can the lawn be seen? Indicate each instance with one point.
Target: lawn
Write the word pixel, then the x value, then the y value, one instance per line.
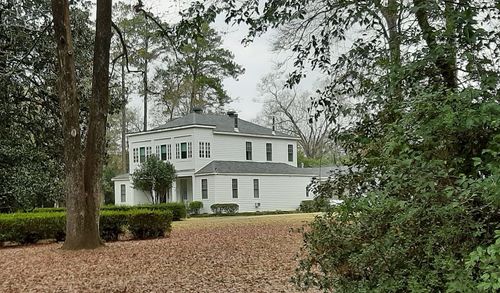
pixel 216 254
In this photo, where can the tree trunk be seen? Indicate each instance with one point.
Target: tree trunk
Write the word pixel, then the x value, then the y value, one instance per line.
pixel 145 84
pixel 82 176
pixel 124 120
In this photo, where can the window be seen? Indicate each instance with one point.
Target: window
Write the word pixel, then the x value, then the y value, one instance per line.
pixel 184 151
pixel 204 188
pixel 157 151
pixel 142 155
pixel 123 193
pixel 235 188
pixel 148 152
pixel 290 153
pixel 204 149
pixel 163 152
pixel 169 152
pixel 269 151
pixel 135 152
pixel 201 150
pixel 256 188
pixel 249 150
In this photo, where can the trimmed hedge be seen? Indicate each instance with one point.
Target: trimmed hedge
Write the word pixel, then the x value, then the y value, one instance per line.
pixel 308 206
pixel 149 224
pixel 26 228
pixel 178 209
pixel 225 208
pixel 195 207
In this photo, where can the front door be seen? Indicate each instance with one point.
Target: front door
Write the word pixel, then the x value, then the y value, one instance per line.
pixel 184 189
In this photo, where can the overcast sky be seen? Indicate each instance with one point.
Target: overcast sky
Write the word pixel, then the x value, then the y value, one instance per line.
pixel 257 58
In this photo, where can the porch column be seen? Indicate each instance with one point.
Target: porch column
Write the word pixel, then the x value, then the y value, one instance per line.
pixel 173 193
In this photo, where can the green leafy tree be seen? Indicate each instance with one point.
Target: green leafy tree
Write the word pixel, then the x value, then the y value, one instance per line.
pixel 31 160
pixel 194 76
pixel 422 190
pixel 155 177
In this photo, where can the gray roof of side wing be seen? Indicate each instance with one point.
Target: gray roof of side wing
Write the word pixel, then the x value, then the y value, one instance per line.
pixel 238 167
pixel 121 177
pixel 222 123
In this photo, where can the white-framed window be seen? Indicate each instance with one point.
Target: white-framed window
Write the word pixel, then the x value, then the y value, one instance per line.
pixel 123 193
pixel 256 192
pixel 204 188
pixel 135 155
pixel 148 152
pixel 183 150
pixel 234 185
pixel 269 151
pixel 169 152
pixel 201 149
pixel 157 151
pixel 163 152
pixel 290 153
pixel 204 149
pixel 248 150
pixel 142 155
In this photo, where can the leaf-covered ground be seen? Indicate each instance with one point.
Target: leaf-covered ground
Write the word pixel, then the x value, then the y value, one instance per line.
pixel 226 254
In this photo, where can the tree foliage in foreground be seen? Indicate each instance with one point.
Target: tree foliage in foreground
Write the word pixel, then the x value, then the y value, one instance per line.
pixel 154 177
pixel 422 196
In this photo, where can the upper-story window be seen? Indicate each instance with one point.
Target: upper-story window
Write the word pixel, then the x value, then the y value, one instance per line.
pixel 163 152
pixel 183 150
pixel 248 150
pixel 142 154
pixel 135 152
pixel 269 151
pixel 290 153
pixel 204 149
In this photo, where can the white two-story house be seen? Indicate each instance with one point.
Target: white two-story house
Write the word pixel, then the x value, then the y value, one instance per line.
pixel 220 159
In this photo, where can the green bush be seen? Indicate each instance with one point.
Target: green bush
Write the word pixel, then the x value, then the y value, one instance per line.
pixel 149 224
pixel 112 224
pixel 194 207
pixel 178 209
pixel 48 210
pixel 307 206
pixel 27 228
pixel 224 208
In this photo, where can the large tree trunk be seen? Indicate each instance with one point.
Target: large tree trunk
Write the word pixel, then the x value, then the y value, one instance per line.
pixel 82 176
pixel 145 84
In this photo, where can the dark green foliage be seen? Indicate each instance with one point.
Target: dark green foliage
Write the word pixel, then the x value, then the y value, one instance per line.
pixel 224 208
pixel 149 224
pixel 27 228
pixel 277 212
pixel 112 224
pixel 195 207
pixel 178 210
pixel 318 204
pixel 422 136
pixel 154 174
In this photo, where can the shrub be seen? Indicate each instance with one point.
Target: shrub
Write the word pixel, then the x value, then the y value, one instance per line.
pixel 318 204
pixel 112 223
pixel 307 206
pixel 149 224
pixel 30 227
pixel 48 210
pixel 224 208
pixel 195 207
pixel 178 209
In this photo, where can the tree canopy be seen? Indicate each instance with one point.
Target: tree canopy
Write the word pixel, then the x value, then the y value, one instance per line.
pixel 155 177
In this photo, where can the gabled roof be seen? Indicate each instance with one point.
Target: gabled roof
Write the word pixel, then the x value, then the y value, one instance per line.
pixel 125 176
pixel 238 167
pixel 222 123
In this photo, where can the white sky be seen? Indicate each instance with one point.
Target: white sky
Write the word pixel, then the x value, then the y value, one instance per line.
pixel 257 59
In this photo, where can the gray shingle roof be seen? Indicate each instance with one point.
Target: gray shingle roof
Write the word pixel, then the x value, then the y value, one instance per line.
pixel 121 177
pixel 222 123
pixel 238 167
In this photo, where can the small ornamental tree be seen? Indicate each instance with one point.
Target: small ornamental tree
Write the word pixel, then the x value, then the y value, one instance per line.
pixel 154 175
